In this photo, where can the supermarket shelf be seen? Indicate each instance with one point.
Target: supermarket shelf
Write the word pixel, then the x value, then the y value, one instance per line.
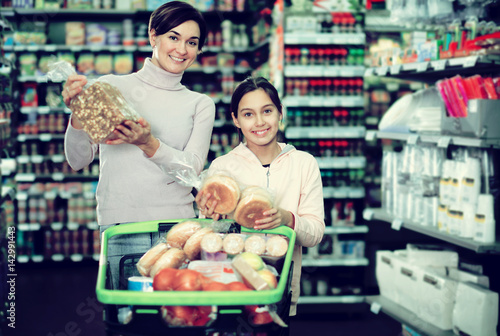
pixel 346 229
pixel 344 192
pixel 432 71
pixel 441 140
pixel 320 101
pixel 318 38
pixel 47 137
pixel 332 261
pixel 347 132
pixel 8 193
pixel 31 177
pixel 354 162
pixel 324 71
pixel 400 314
pixel 40 158
pixel 379 214
pixel 381 22
pixel 56 226
pixel 331 299
pixel 44 110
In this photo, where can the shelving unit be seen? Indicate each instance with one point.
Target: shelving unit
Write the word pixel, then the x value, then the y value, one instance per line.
pixel 322 79
pixel 400 314
pixel 430 72
pixel 396 224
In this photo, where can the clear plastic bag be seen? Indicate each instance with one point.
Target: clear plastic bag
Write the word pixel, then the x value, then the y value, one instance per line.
pixel 100 107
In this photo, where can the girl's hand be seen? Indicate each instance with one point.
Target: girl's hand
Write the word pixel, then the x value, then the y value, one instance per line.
pixel 275 218
pixel 207 206
pixel 135 133
pixel 73 86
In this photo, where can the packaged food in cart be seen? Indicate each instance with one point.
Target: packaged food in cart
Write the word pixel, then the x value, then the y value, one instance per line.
pixel 186 300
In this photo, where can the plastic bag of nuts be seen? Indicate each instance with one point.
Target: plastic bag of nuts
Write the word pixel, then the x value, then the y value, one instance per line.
pixel 100 107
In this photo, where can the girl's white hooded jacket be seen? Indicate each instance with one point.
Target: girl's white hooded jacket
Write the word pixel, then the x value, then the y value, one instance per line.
pixel 295 181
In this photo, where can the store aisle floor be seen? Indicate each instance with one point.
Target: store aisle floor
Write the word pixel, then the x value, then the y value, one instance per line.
pixel 60 300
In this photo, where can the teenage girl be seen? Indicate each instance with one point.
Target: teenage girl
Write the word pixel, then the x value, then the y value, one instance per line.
pixel 293 176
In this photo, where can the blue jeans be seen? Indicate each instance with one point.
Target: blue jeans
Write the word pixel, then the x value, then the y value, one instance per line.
pixel 121 245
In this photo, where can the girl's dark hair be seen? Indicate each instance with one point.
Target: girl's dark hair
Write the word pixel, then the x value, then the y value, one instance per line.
pixel 251 84
pixel 174 13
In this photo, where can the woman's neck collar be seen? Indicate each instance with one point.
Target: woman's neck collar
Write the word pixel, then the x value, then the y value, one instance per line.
pixel 159 77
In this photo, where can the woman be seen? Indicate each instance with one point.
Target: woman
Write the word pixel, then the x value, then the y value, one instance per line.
pixel 293 176
pixel 175 124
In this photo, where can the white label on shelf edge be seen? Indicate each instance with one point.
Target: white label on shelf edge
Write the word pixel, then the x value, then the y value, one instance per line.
pixel 375 307
pixel 412 139
pixel 397 224
pixel 368 214
pixel 444 142
pixel 473 106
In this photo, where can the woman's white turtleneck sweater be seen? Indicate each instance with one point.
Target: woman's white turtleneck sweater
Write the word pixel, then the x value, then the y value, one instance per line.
pixel 133 187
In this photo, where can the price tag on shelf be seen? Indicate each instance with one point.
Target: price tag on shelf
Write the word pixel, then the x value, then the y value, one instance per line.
pixel 412 139
pixel 439 65
pixel 375 307
pixel 371 135
pixel 56 226
pixel 470 61
pixel 76 48
pixel 58 176
pixel 43 109
pixel 369 72
pixel 382 71
pixel 46 137
pixel 397 224
pixel 395 69
pixel 50 47
pixel 368 214
pixel 444 142
pixel 423 66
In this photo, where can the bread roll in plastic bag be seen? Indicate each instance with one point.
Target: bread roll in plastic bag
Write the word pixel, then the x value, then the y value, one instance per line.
pixel 253 203
pixel 100 107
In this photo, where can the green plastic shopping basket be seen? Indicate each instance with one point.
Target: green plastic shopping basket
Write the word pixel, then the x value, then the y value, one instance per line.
pixel 183 298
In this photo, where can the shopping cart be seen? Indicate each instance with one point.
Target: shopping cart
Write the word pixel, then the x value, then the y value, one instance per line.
pixel 145 307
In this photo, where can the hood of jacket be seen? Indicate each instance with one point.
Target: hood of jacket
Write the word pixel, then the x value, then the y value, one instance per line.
pixel 244 153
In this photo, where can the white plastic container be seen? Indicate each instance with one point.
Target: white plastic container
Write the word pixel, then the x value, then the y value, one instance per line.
pixel 436 299
pixel 476 310
pixel 431 256
pixel 385 273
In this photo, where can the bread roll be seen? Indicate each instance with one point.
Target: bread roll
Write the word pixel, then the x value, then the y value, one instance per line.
pixel 255 244
pixel 172 258
pixel 254 201
pixel 225 190
pixel 192 247
pixel 150 257
pixel 178 235
pixel 211 243
pixel 233 243
pixel 276 246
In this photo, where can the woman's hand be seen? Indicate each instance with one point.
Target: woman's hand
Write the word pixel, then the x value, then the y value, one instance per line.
pixel 206 206
pixel 135 133
pixel 73 86
pixel 275 218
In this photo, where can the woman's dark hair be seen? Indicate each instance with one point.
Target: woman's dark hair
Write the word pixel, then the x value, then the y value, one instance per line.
pixel 251 84
pixel 174 13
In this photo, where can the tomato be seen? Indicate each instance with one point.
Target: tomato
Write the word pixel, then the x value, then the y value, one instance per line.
pixel 237 286
pixel 188 280
pixel 215 286
pixel 179 315
pixel 164 279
